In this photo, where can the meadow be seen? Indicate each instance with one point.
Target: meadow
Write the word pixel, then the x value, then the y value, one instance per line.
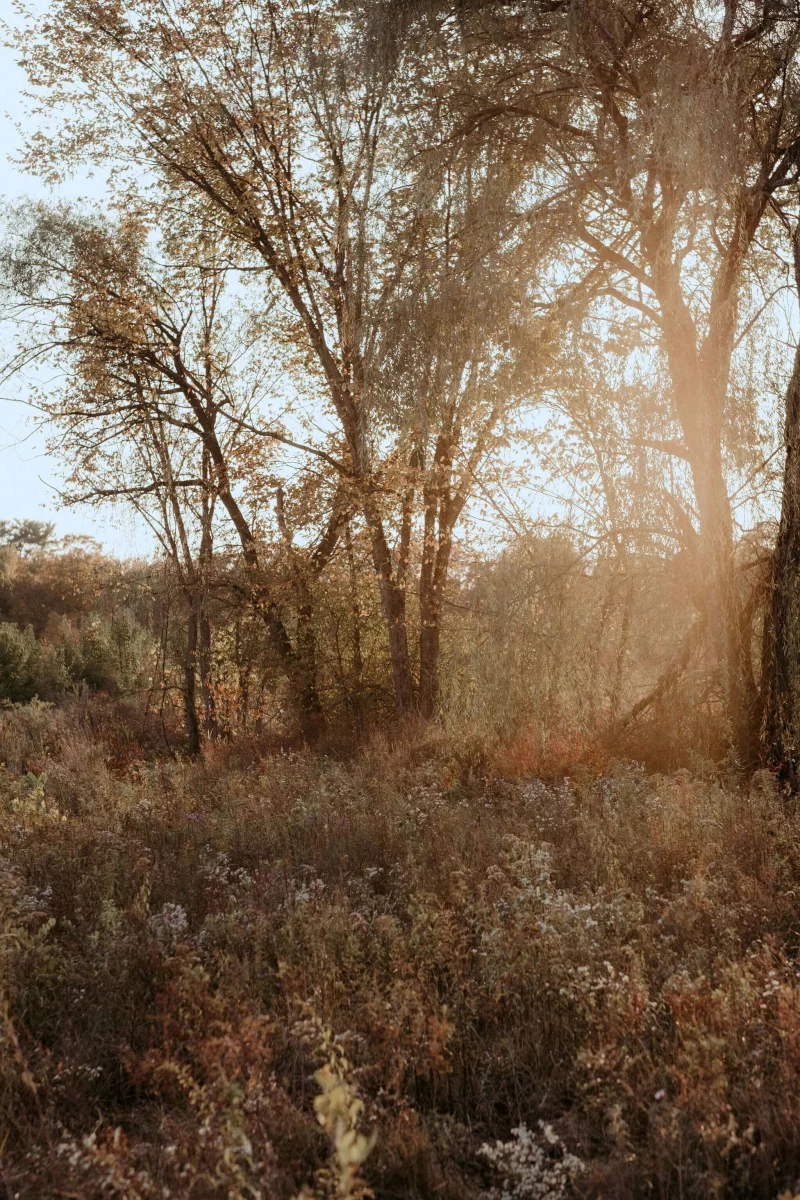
pixel 436 968
pixel 418 818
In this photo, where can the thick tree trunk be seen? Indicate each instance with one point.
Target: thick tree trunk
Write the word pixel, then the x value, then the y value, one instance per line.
pixel 781 682
pixel 700 384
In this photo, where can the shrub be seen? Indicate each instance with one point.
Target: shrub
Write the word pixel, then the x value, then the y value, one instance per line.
pixel 20 660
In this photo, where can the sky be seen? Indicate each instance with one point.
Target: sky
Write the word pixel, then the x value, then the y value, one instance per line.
pixel 29 476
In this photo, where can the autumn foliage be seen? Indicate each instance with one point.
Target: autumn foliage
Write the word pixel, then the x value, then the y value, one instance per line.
pixel 419 818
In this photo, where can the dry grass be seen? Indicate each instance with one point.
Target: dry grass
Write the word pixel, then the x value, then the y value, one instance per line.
pixel 300 976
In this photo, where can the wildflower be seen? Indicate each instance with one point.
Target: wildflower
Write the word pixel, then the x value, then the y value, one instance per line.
pixel 170 922
pixel 532 1167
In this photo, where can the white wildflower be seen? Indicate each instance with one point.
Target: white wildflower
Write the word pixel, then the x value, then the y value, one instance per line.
pixel 531 1166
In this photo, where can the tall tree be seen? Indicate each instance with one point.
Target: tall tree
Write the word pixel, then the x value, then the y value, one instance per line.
pixel 457 353
pixel 269 119
pixel 283 128
pixel 683 133
pixel 781 658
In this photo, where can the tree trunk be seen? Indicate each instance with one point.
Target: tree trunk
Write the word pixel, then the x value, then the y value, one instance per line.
pixel 394 608
pixel 393 602
pixel 700 370
pixel 308 699
pixel 434 572
pixel 622 651
pixel 781 682
pixel 355 699
pixel 210 729
pixel 433 579
pixel 429 648
pixel 190 681
pixel 700 384
pixel 304 572
pixel 720 592
pixel 428 616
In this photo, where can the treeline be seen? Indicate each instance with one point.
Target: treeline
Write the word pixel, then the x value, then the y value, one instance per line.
pixel 535 645
pixel 71 620
pixel 397 302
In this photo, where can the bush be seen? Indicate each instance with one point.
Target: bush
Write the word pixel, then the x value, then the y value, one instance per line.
pixel 20 657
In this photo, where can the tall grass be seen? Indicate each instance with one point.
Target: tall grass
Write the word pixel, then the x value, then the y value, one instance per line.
pixel 296 976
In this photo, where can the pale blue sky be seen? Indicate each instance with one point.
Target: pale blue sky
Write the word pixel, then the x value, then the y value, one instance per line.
pixel 29 477
pixel 28 474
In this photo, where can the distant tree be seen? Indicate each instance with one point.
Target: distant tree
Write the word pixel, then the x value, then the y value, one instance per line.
pixel 27 536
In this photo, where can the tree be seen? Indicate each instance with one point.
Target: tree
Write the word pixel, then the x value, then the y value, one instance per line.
pixel 281 129
pixel 682 137
pixel 27 537
pixel 273 129
pixel 781 658
pixel 456 355
pixel 161 386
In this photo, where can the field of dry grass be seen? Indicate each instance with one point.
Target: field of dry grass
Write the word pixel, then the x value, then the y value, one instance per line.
pixel 416 973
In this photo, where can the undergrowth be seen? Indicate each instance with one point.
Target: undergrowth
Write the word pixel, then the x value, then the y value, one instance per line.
pixel 414 974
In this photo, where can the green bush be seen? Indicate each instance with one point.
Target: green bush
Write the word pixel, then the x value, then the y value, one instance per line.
pixel 20 663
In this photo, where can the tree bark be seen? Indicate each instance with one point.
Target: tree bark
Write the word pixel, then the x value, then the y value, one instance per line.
pixel 428 615
pixel 781 678
pixel 393 602
pixel 210 728
pixel 306 569
pixel 442 504
pixel 718 586
pixel 190 680
pixel 355 699
pixel 700 384
pixel 308 698
pixel 394 608
pixel 433 579
pixel 622 652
